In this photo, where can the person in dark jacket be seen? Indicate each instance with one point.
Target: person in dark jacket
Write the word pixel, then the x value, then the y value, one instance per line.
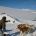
pixel 3 23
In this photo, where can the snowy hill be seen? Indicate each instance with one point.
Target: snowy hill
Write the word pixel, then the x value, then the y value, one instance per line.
pixel 12 25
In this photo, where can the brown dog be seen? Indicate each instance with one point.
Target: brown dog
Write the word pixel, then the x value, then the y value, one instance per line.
pixel 25 27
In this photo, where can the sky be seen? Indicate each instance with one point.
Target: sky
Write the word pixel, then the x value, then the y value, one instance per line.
pixel 26 4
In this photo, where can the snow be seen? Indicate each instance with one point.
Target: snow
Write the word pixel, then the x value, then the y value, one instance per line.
pixel 12 26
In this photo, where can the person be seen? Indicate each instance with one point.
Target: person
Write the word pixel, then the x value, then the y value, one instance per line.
pixel 3 23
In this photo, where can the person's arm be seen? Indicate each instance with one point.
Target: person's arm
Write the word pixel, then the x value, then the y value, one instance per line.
pixel 7 21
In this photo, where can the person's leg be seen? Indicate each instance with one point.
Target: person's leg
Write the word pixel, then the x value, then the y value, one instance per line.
pixel 0 28
pixel 4 27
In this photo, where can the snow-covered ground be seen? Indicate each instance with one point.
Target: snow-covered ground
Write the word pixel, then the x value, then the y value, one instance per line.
pixel 12 26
